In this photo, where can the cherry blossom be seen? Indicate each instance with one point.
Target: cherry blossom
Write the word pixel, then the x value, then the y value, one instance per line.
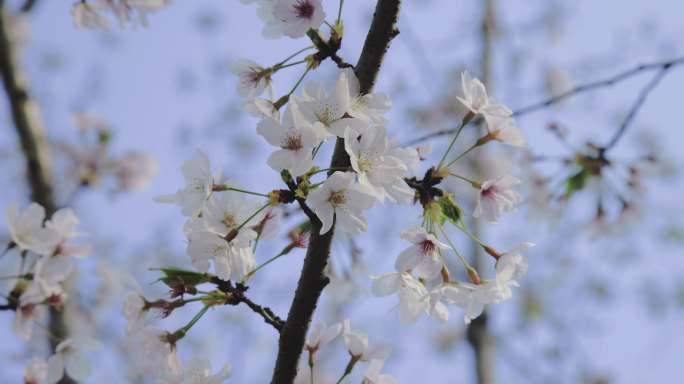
pixel 330 109
pixel 342 201
pixel 134 311
pixel 375 166
pixel 155 353
pixel 512 265
pixel 412 294
pixel 296 139
pixel 369 107
pixel 25 318
pixel 253 79
pixel 35 371
pixel 358 346
pixel 197 371
pixel 70 358
pixel 27 230
pixel 87 15
pixel 232 259
pixel 134 170
pixel 320 335
pixel 475 98
pixel 198 185
pixel 504 130
pixel 294 17
pixel 423 256
pixel 373 375
pixel 496 196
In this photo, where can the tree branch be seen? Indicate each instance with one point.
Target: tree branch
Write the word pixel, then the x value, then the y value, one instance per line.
pixel 662 66
pixel 312 280
pixel 237 293
pixel 29 127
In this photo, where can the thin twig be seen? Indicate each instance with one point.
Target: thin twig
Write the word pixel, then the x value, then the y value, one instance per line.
pixel 663 66
pixel 237 294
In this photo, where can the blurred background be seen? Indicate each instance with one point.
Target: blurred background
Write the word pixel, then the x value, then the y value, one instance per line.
pixel 604 298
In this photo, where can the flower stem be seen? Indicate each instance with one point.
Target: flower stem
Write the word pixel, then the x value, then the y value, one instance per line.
pixel 282 63
pixel 253 215
pixel 466 265
pixel 475 184
pixel 195 319
pixel 339 11
pixel 467 151
pixel 289 65
pixel 464 122
pixel 299 81
pixel 265 263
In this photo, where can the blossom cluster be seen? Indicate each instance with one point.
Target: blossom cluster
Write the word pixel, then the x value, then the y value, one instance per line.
pixel 46 250
pixel 91 13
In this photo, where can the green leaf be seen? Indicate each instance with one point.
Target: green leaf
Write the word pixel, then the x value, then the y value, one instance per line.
pixel 450 210
pixel 577 181
pixel 173 275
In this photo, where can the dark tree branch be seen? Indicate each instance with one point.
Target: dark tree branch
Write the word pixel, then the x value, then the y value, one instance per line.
pixel 662 66
pixel 312 280
pixel 28 5
pixel 29 127
pixel 237 296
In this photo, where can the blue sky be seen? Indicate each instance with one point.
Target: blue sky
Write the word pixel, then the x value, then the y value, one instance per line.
pixel 166 90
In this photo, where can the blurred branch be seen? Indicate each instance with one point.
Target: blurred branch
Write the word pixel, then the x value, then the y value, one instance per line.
pixel 28 5
pixel 29 127
pixel 479 335
pixel 662 66
pixel 312 280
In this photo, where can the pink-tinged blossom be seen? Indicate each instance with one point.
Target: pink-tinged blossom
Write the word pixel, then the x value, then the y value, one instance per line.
pixel 35 371
pixel 423 256
pixel 495 197
pixel 320 335
pixel 196 371
pixel 253 79
pixel 294 17
pixel 134 170
pixel 296 138
pixel 342 201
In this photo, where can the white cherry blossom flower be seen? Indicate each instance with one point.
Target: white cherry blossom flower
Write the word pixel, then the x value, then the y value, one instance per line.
pixel 321 334
pixel 134 170
pixel 423 256
pixel 87 15
pixel 154 353
pixel 25 318
pixel 437 304
pixel 27 230
pixel 35 371
pixel 472 298
pixel 475 98
pixel 331 109
pixel 496 196
pixel 261 108
pixel 198 185
pixel 70 357
pixel 504 130
pixel 296 139
pixel 253 78
pixel 294 17
pixel 342 201
pixel 134 311
pixel 412 294
pixel 373 375
pixel 369 107
pixel 63 223
pixel 375 166
pixel 358 346
pixel 512 265
pixel 227 211
pixel 232 260
pixel 197 371
pixel 48 275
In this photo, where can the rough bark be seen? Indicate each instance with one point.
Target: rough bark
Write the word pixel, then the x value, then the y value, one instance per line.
pixel 312 280
pixel 29 128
